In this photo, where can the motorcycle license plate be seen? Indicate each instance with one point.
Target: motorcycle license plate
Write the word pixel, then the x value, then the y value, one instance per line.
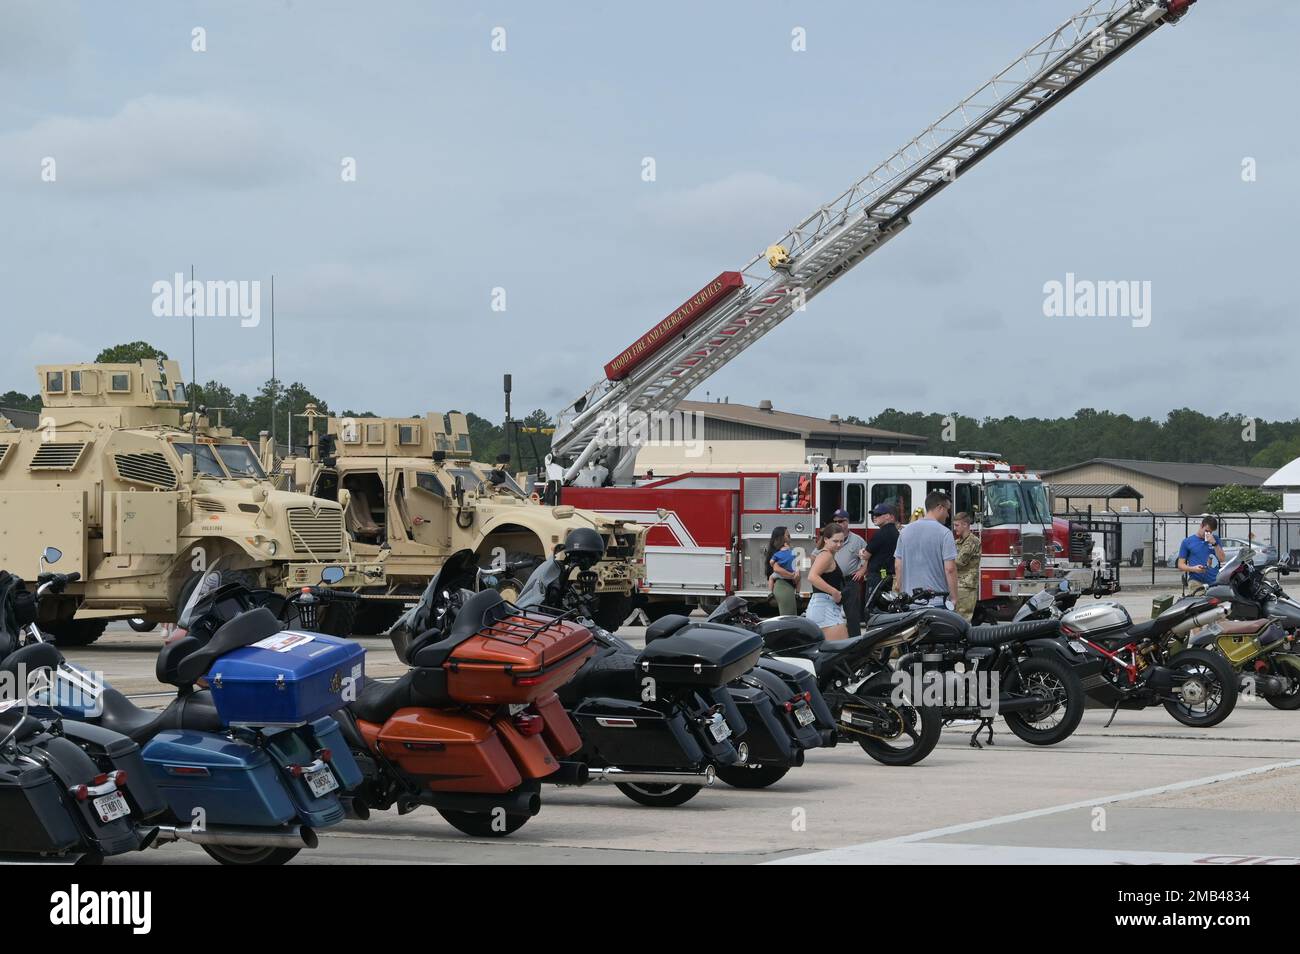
pixel 109 807
pixel 719 728
pixel 805 715
pixel 321 782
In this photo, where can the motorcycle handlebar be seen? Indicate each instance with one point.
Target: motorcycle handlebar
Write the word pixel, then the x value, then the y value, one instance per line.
pixel 326 595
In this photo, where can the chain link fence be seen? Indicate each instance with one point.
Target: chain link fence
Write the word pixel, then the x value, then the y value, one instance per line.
pixel 1148 542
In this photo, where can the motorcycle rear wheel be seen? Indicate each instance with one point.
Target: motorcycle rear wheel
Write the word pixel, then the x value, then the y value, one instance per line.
pixel 232 855
pixel 922 724
pixel 1046 675
pixel 1289 701
pixel 659 796
pixel 483 824
pixel 1218 676
pixel 760 776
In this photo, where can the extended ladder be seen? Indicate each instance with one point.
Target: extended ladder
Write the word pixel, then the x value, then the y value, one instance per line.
pixel 839 234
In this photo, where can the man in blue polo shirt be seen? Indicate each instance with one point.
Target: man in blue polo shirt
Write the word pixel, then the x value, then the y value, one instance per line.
pixel 1200 556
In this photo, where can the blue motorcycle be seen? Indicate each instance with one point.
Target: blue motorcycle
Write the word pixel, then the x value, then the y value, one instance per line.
pixel 247 757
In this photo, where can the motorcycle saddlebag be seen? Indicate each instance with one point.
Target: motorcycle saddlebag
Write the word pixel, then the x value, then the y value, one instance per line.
pixel 800 680
pixel 769 740
pixel 289 678
pixel 629 735
pixel 228 782
pixel 517 658
pixel 111 751
pixel 32 814
pixel 445 751
pixel 705 655
pixel 560 733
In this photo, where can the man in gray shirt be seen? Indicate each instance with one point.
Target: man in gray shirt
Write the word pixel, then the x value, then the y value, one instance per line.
pixel 849 559
pixel 926 556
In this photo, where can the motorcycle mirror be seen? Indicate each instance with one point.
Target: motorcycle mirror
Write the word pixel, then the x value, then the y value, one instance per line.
pixel 332 574
pixel 52 555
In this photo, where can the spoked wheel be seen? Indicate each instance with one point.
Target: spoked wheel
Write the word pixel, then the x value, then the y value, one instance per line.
pixel 484 824
pixel 1062 695
pixel 913 731
pixel 235 855
pixel 757 776
pixel 1289 700
pixel 1210 692
pixel 659 796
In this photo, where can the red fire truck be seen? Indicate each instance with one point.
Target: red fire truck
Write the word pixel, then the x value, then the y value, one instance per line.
pixel 709 531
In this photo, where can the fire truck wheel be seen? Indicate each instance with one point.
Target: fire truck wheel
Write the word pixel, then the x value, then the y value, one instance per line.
pixel 611 610
pixel 76 632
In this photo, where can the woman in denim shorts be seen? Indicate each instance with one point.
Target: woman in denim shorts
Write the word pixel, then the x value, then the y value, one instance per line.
pixel 827 580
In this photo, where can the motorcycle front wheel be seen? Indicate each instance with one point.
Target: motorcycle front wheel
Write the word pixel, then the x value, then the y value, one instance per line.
pixel 1062 694
pixel 1210 693
pixel 484 824
pixel 659 796
pixel 916 729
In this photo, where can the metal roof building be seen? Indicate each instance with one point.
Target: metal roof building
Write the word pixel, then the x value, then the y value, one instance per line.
pixel 1162 486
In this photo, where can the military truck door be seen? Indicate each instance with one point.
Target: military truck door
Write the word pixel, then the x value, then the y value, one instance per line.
pixel 423 505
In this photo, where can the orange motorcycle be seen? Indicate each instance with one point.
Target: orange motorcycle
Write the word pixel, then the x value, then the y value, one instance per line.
pixel 474 725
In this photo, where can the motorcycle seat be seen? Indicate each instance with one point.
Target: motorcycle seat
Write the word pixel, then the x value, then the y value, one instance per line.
pixel 833 646
pixel 1143 630
pixel 32 657
pixel 22 725
pixel 611 673
pixel 1012 632
pixel 194 710
pixel 186 660
pixel 665 626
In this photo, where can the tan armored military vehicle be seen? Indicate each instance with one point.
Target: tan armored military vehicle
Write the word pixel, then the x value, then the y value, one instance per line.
pixel 413 496
pixel 141 496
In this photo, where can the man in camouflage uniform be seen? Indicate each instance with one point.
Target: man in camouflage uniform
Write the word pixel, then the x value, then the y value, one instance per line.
pixel 968 565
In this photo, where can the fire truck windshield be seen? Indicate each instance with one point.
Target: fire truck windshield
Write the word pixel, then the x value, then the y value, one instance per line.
pixel 1014 502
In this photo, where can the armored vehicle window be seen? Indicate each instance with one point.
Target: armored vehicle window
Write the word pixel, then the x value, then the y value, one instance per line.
pixel 205 461
pixel 120 382
pixel 76 381
pixel 240 461
pixel 160 392
pixel 467 477
pixel 179 394
pixel 374 433
pixel 431 483
pixel 54 382
pixel 408 434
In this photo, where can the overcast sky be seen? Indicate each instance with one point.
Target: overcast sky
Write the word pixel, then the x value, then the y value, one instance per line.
pixel 522 170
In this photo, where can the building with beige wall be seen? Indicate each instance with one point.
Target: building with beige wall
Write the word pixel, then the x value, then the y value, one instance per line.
pixel 1160 486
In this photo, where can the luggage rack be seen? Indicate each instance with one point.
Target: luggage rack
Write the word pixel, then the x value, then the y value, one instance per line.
pixel 522 625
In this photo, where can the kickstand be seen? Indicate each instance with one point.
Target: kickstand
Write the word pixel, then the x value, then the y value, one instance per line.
pixel 985 724
pixel 1113 712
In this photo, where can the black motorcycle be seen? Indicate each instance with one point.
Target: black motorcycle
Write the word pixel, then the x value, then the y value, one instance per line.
pixel 856 681
pixel 1146 664
pixel 1024 671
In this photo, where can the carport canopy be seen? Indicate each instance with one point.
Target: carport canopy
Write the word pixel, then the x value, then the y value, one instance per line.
pixel 1105 492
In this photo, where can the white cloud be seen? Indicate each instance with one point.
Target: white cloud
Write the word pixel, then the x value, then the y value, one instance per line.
pixel 38 35
pixel 151 143
pixel 746 207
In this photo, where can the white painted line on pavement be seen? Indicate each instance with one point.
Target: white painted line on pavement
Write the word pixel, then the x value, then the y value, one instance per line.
pixel 867 851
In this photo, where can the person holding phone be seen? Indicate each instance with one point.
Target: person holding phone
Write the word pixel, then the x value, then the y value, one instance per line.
pixel 1201 555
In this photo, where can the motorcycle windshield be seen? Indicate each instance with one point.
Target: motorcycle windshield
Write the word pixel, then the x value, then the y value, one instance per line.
pixel 539 583
pixel 459 572
pixel 1244 555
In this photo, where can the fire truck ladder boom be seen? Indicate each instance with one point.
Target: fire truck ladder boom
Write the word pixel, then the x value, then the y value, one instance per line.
pixel 841 233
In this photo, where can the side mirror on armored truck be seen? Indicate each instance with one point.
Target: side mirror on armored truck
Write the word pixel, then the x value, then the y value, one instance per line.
pixel 51 555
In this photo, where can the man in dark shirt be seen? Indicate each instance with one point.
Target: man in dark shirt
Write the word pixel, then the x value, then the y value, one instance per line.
pixel 881 545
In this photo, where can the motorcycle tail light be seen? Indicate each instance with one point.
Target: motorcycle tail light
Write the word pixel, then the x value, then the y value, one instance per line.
pixel 529 724
pixel 81 792
pixel 533 680
pixel 325 755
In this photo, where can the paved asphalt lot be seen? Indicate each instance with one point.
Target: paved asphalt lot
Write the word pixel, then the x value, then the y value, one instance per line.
pixel 1147 790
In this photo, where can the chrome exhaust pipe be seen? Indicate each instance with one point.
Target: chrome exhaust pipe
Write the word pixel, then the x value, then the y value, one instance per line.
pixel 295 836
pixel 1200 619
pixel 653 778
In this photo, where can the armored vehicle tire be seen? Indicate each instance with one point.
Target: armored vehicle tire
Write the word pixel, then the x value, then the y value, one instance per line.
pixel 338 619
pixel 611 610
pixel 659 609
pixel 77 632
pixel 375 617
